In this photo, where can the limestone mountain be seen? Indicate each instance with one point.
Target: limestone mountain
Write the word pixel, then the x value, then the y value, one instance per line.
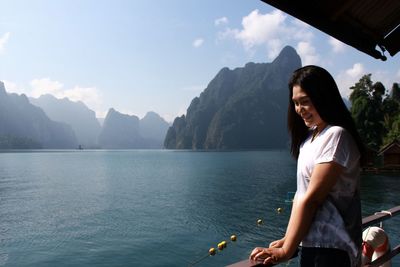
pixel 121 131
pixel 23 125
pixel 82 120
pixel 154 128
pixel 244 108
pixel 101 121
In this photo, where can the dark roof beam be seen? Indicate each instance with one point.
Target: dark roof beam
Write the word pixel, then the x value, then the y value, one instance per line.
pixel 392 41
pixel 363 31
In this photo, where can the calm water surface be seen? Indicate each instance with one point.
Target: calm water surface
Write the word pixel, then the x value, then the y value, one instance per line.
pixel 151 207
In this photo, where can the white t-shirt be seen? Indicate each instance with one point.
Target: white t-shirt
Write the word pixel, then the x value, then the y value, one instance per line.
pixel 341 209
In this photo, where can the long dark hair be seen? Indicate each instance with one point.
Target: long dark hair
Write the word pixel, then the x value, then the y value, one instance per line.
pixel 324 94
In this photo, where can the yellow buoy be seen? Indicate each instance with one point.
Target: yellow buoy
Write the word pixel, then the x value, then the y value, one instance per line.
pixel 259 221
pixel 224 243
pixel 212 251
pixel 220 246
pixel 233 238
pixel 279 210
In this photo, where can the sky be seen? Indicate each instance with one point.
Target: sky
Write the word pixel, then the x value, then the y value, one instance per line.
pixel 137 55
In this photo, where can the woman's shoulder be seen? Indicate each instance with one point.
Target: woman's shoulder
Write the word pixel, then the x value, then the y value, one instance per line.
pixel 335 128
pixel 334 132
pixel 338 132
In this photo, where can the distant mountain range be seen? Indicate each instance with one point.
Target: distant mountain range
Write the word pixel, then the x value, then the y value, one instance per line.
pixel 76 114
pixel 48 122
pixel 244 108
pixel 124 131
pixel 23 125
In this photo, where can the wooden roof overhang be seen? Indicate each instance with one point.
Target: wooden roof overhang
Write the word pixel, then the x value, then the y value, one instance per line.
pixel 371 26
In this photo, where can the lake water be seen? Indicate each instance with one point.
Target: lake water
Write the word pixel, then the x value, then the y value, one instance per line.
pixel 151 207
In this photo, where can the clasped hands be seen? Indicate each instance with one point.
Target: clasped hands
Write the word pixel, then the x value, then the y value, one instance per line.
pixel 275 253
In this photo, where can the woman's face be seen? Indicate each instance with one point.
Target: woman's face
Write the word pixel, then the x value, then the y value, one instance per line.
pixel 305 108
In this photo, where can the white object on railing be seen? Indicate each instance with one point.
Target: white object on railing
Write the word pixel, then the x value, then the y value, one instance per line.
pixel 375 244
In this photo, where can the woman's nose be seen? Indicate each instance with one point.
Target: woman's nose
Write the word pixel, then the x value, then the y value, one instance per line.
pixel 299 108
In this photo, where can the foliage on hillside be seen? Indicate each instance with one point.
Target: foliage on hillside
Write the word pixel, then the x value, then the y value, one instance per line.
pixel 13 142
pixel 376 112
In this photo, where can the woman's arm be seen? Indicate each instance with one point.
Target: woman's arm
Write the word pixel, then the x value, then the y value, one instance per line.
pixel 279 243
pixel 324 177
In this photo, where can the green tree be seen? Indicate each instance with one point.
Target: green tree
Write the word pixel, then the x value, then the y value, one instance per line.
pixel 367 110
pixel 15 142
pixel 395 93
pixel 391 111
pixel 394 132
pixel 362 89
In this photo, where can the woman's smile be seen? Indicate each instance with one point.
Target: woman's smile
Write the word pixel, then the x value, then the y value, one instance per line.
pixel 305 108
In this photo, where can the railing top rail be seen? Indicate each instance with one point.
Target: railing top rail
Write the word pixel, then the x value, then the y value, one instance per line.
pixel 366 221
pixel 380 216
pixel 378 262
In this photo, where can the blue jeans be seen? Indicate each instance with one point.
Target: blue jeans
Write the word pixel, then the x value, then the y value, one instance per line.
pixel 323 257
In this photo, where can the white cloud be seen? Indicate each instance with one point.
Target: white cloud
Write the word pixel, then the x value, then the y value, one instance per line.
pixel 398 74
pixel 386 77
pixel 46 86
pixel 349 77
pixel 259 29
pixel 307 53
pixel 4 40
pixel 300 24
pixel 129 112
pixel 274 47
pixel 221 21
pixel 356 71
pixel 337 46
pixel 271 30
pixel 12 87
pixel 198 42
pixel 88 95
pixel 301 31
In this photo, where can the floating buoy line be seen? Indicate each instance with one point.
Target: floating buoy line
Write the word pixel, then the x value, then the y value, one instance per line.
pixel 224 244
pixel 213 251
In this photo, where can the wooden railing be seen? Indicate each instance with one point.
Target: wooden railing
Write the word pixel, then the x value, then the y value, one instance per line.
pixel 380 216
pixel 376 218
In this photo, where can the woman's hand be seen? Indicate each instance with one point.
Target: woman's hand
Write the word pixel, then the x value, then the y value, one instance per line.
pixel 269 255
pixel 277 243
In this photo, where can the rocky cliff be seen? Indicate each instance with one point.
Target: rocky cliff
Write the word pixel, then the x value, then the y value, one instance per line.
pixel 23 125
pixel 244 108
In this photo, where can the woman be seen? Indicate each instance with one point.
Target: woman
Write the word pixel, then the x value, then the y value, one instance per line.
pixel 326 214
